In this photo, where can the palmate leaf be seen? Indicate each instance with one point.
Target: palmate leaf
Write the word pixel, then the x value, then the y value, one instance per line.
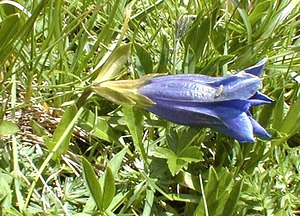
pixel 176 161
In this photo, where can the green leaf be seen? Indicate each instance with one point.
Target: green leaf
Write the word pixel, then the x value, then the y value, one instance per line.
pixel 278 112
pixel 118 200
pixel 164 56
pixel 189 61
pixel 233 198
pixel 113 64
pixel 92 182
pixel 185 138
pixel 8 28
pixel 191 154
pixel 164 153
pixel 281 212
pixel 175 165
pixel 260 10
pixel 247 23
pixel 98 127
pixel 60 132
pixel 148 206
pixel 212 182
pixel 37 128
pixel 108 188
pixel 135 123
pixel 292 118
pixel 144 64
pixel 5 191
pixel 177 162
pixel 115 163
pixel 222 193
pixel 200 27
pixel 7 127
pixel 189 180
pixel 105 132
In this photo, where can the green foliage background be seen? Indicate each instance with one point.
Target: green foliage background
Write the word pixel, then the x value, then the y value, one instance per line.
pixel 105 159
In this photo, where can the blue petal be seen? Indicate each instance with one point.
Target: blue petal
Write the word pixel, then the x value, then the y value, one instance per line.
pixel 258 68
pixel 199 88
pixel 239 128
pixel 259 99
pixel 259 130
pixel 178 90
pixel 226 117
pixel 240 86
pixel 186 77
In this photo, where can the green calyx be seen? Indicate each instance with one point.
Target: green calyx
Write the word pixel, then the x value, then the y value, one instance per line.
pixel 124 92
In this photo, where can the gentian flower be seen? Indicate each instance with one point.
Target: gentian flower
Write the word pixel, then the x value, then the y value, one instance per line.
pixel 220 103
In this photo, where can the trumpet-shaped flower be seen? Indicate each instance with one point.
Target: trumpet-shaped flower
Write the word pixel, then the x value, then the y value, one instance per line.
pixel 220 103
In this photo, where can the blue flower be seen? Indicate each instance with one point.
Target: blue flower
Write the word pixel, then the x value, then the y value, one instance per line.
pixel 220 103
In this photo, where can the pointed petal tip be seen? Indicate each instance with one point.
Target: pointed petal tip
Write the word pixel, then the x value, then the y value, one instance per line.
pixel 259 130
pixel 259 98
pixel 258 68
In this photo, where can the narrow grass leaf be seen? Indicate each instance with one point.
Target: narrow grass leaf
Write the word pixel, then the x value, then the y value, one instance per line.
pixel 292 117
pixel 113 10
pixel 247 23
pixel 117 201
pixel 212 182
pixel 146 11
pixel 37 129
pixel 8 28
pixel 193 41
pixel 189 62
pixel 278 112
pixel 148 203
